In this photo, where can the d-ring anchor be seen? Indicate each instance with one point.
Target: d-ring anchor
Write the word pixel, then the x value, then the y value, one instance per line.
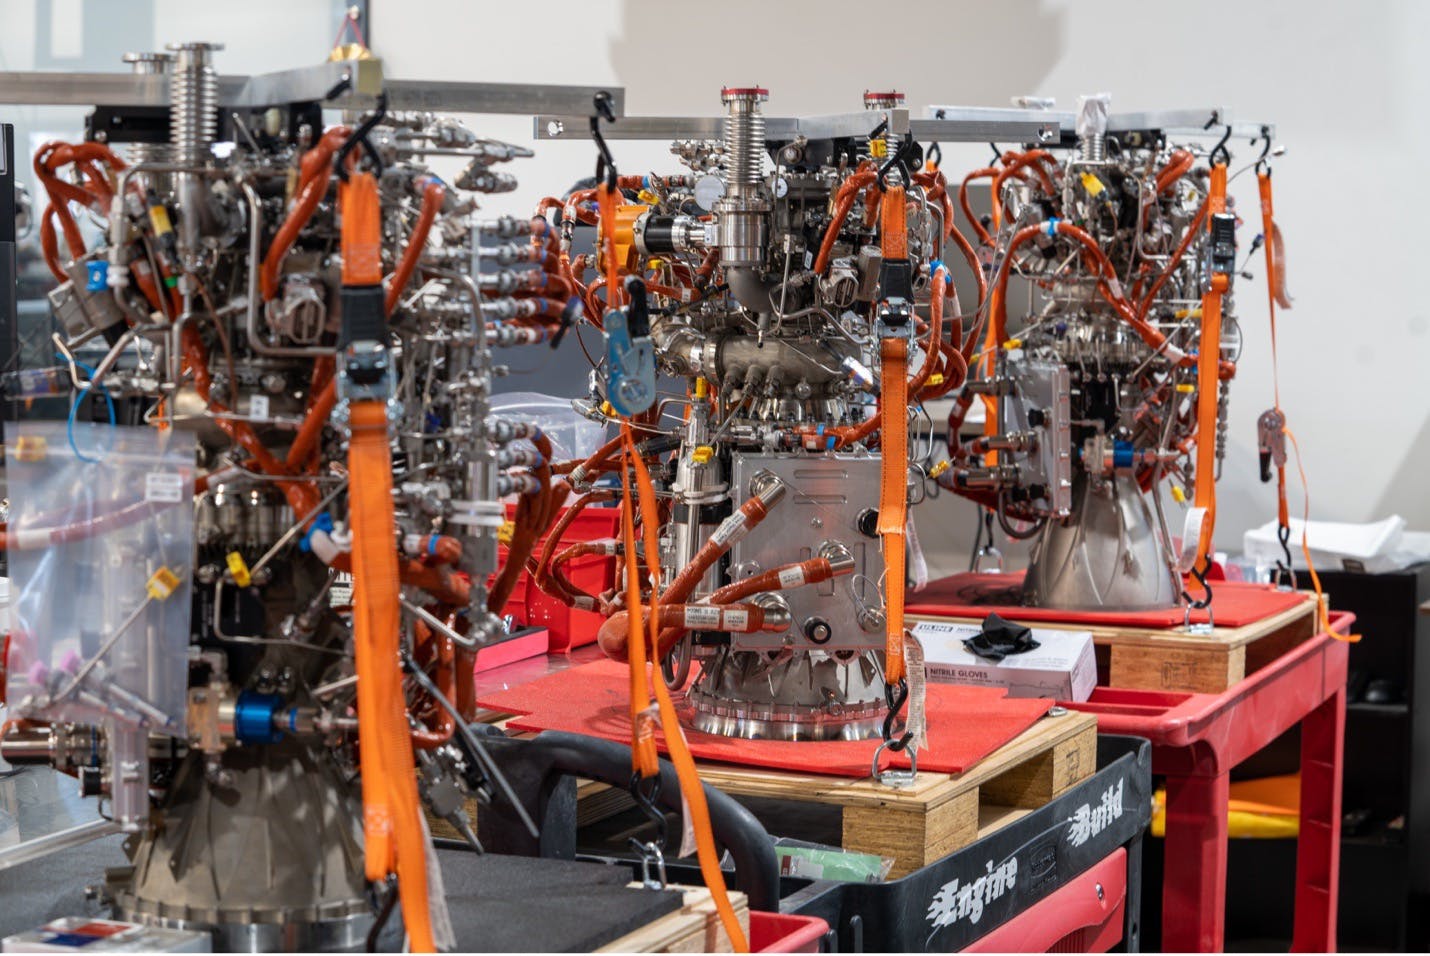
pixel 895 777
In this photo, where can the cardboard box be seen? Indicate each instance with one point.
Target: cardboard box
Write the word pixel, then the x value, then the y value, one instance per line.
pixel 84 934
pixel 1062 667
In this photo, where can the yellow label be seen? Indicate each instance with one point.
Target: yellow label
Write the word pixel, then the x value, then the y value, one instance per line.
pixel 702 454
pixel 1179 495
pixel 702 388
pixel 159 218
pixel 936 378
pixel 939 469
pixel 31 448
pixel 1186 388
pixel 506 532
pixel 1012 344
pixel 1092 184
pixel 878 148
pixel 239 568
pixel 162 584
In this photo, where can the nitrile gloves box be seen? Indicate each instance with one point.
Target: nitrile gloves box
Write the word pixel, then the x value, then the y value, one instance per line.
pixel 1062 667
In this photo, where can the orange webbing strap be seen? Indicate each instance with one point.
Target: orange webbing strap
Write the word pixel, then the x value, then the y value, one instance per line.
pixel 1209 382
pixel 690 788
pixel 362 230
pixel 894 449
pixel 1276 295
pixel 392 822
pixel 644 759
pixel 1321 610
pixel 394 837
pixel 894 496
pixel 1273 281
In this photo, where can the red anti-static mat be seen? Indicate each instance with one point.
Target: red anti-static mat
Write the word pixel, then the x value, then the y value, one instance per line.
pixel 966 724
pixel 1234 603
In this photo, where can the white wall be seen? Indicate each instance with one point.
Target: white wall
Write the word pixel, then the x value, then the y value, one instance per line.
pixel 1344 83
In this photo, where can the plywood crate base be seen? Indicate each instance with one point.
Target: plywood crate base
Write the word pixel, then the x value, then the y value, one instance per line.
pixel 1175 659
pixel 694 928
pixel 936 815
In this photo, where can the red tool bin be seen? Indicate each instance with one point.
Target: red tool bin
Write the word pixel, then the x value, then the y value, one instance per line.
pixel 1196 741
pixel 594 573
pixel 785 933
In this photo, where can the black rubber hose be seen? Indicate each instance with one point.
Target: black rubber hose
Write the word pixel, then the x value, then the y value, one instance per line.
pixel 736 828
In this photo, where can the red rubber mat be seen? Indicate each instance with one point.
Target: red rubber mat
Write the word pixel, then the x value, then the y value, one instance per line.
pixel 966 724
pixel 1234 603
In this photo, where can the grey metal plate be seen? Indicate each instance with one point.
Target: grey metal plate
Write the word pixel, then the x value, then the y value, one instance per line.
pixel 970 125
pixel 308 84
pixel 826 495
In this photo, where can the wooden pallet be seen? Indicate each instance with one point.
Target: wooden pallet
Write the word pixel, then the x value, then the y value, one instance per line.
pixel 694 928
pixel 938 814
pixel 1176 660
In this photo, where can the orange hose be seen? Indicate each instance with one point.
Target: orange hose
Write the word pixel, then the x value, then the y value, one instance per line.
pixel 314 179
pixel 432 196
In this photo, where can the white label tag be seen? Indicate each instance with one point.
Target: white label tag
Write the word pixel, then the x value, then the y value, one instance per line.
pixel 687 828
pixel 730 530
pixel 1191 538
pixel 700 616
pixel 737 620
pixel 258 406
pixel 792 577
pixel 165 486
pixel 918 692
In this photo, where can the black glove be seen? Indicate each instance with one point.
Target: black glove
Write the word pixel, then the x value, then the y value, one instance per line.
pixel 999 638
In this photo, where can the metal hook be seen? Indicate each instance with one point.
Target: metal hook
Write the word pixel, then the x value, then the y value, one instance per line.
pixel 900 157
pixel 605 162
pixel 359 137
pixel 645 791
pixel 1220 154
pixel 1261 163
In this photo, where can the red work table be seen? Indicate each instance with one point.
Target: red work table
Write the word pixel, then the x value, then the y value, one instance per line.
pixel 1198 738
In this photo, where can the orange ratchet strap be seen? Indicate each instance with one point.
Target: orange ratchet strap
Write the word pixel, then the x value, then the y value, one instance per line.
pixel 685 770
pixel 1276 295
pixel 1208 383
pixel 394 838
pixel 894 447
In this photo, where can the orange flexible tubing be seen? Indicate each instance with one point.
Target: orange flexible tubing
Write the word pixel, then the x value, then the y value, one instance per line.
pixel 987 172
pixel 843 202
pixel 1193 230
pixel 314 177
pixel 432 196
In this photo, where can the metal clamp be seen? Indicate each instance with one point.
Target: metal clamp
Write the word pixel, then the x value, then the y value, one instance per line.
pixel 895 777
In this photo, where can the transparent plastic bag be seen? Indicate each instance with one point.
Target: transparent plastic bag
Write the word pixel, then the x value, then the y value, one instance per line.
pixel 101 549
pixel 572 436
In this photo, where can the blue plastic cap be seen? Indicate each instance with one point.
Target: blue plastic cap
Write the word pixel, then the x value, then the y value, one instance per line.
pixel 253 718
pixel 98 275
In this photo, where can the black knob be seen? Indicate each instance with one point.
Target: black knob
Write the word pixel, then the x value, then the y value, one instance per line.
pixel 90 782
pixel 817 629
pixel 868 522
pixel 1036 417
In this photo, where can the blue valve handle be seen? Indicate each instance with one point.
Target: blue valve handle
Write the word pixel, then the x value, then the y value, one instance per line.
pixel 630 356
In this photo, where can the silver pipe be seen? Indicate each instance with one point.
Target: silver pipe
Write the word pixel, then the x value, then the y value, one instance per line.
pixel 54 842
